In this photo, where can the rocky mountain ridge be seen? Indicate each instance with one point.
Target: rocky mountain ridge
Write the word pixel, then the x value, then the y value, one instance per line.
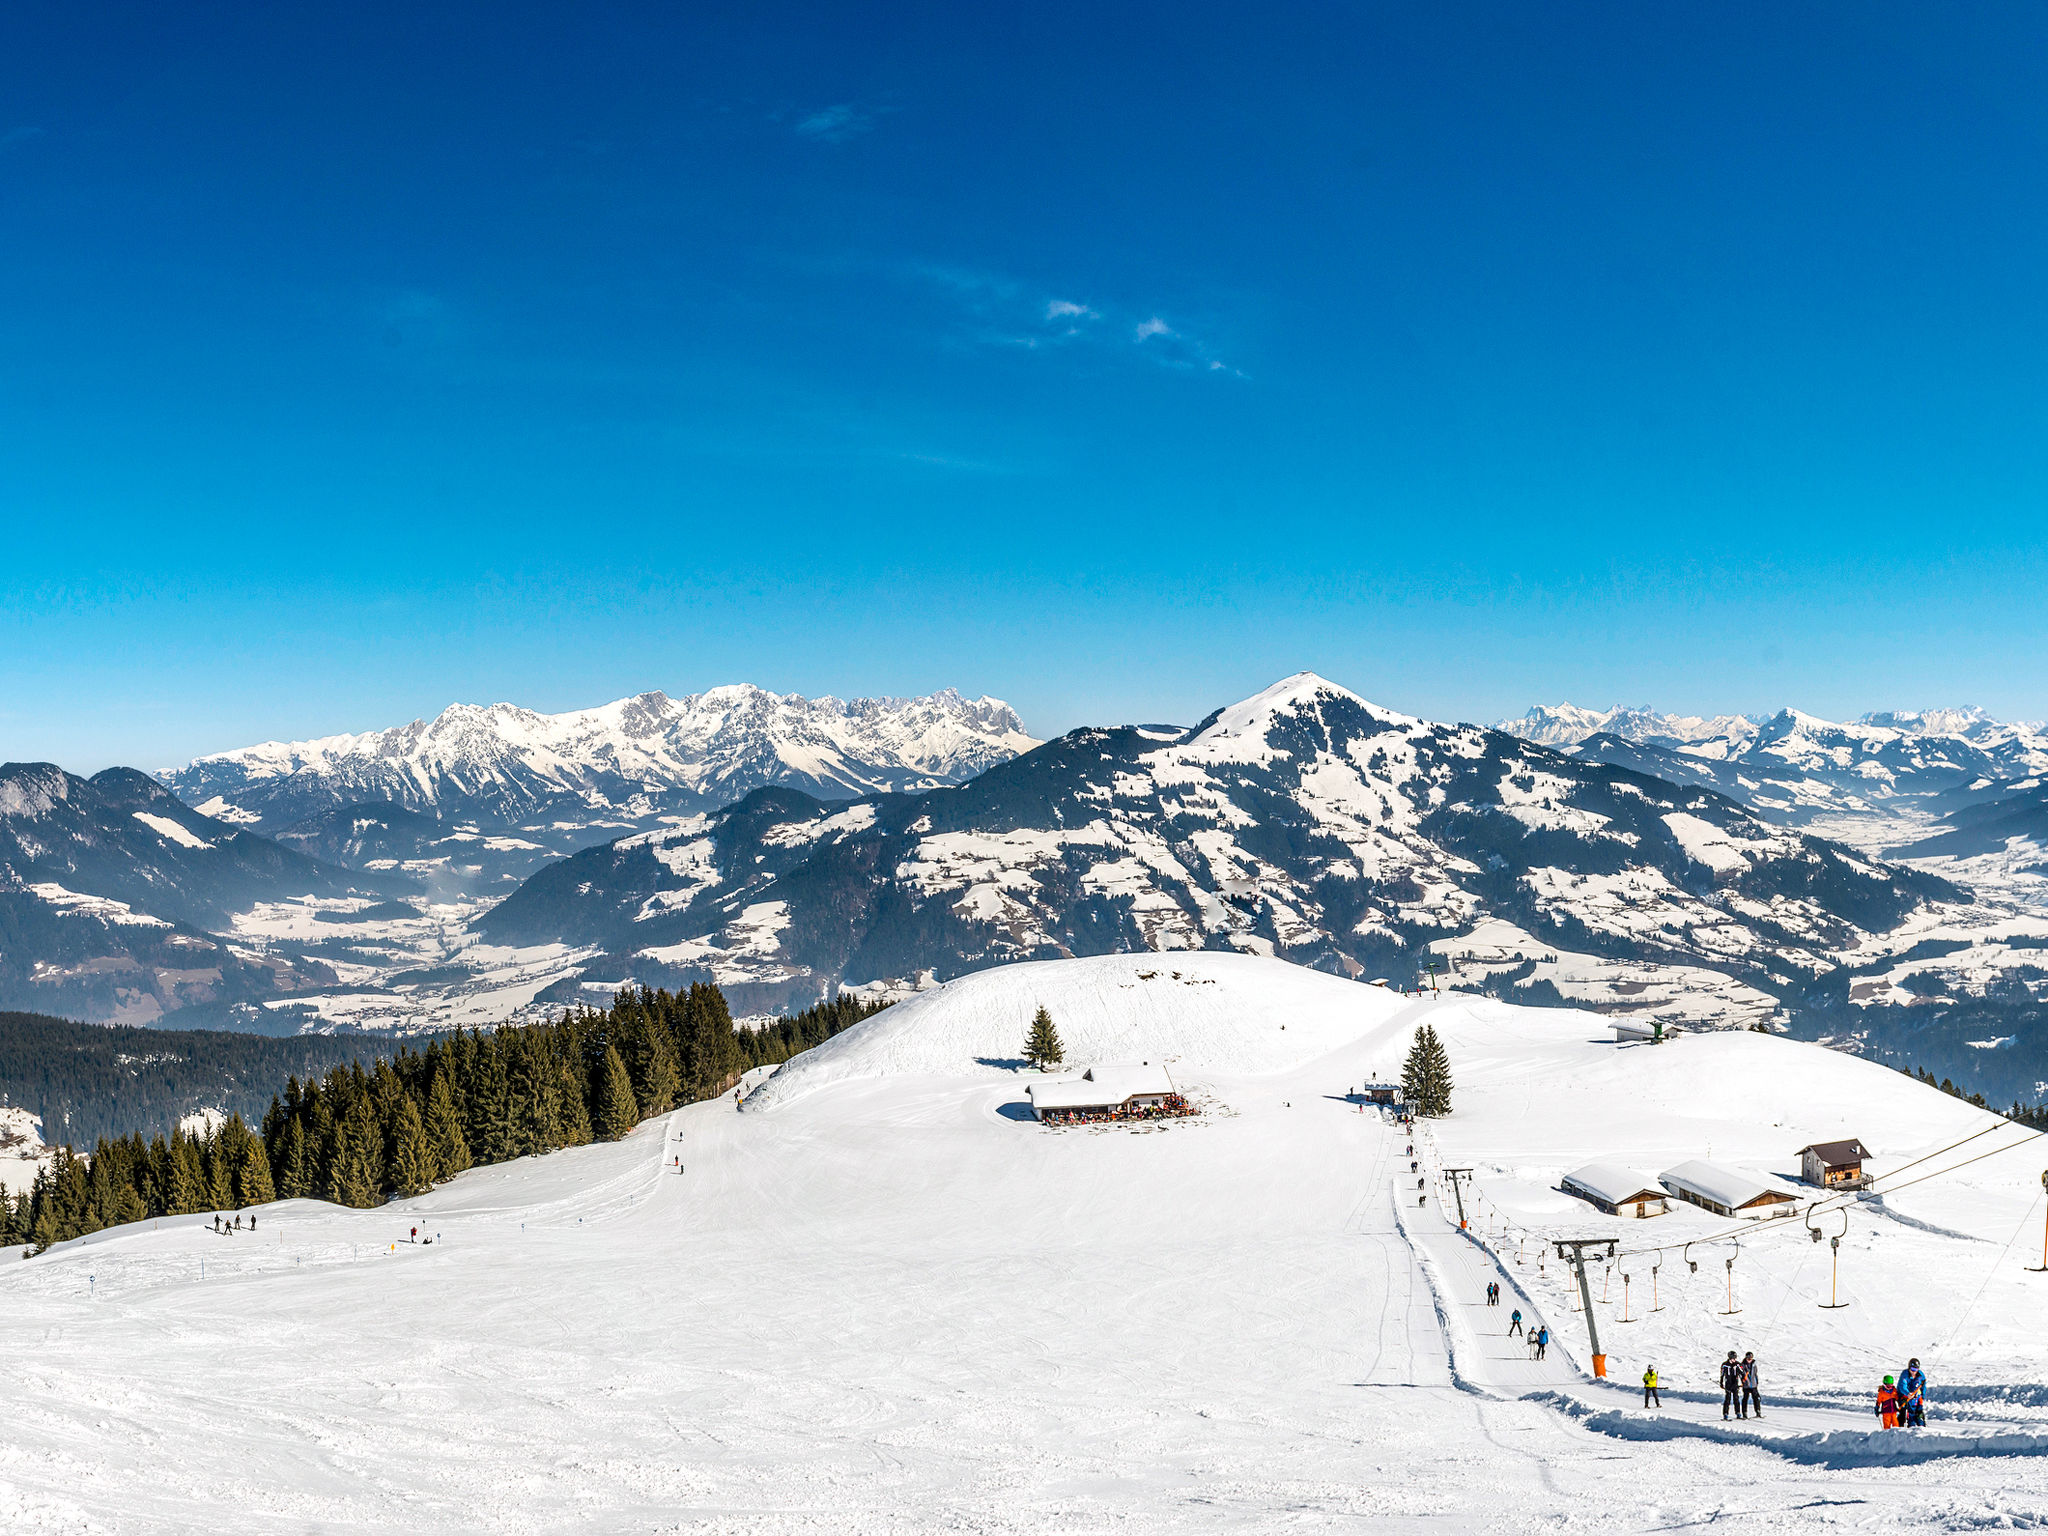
pixel 1304 822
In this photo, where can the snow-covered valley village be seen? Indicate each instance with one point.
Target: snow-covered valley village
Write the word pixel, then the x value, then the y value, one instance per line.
pixel 800 1115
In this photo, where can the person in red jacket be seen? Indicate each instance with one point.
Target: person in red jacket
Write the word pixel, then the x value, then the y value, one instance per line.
pixel 1888 1405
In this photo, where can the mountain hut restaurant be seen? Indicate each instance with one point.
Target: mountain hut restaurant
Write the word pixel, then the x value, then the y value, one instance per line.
pixel 1126 1092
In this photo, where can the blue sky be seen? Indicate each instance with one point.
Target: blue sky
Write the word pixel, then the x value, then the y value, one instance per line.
pixel 1113 360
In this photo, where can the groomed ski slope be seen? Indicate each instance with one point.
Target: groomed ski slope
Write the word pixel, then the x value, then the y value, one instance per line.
pixel 888 1303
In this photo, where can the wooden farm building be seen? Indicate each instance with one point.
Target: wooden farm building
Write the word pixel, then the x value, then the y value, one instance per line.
pixel 1726 1191
pixel 1834 1164
pixel 1617 1191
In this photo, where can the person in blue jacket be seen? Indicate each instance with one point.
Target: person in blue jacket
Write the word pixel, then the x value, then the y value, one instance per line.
pixel 1913 1395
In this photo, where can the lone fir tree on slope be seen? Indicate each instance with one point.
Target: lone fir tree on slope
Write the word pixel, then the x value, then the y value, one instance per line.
pixel 1426 1075
pixel 1042 1046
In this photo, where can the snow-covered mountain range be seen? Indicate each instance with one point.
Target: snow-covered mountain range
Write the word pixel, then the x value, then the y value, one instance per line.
pixel 1794 767
pixel 494 790
pixel 1304 822
pixel 625 758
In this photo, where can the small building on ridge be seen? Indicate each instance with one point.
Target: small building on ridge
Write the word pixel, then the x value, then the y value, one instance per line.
pixel 1834 1164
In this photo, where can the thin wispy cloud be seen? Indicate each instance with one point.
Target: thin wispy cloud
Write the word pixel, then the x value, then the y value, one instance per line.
pixel 1176 349
pixel 834 124
pixel 1006 312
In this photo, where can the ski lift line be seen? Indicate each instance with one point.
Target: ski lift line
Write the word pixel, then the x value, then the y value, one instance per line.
pixel 1996 1264
pixel 1996 1125
pixel 1963 1164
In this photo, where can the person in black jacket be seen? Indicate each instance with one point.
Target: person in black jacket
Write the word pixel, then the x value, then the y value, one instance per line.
pixel 1754 1403
pixel 1731 1386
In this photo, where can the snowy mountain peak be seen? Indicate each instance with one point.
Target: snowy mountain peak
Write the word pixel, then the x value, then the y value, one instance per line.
pixel 1301 693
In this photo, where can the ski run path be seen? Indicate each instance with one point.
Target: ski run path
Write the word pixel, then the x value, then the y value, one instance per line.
pixel 892 1304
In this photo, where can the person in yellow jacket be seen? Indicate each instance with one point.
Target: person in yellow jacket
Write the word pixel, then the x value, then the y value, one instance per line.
pixel 1650 1394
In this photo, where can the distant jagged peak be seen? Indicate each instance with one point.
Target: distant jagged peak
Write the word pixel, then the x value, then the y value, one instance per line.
pixel 1567 724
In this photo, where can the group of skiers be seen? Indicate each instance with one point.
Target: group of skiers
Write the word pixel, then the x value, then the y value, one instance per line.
pixel 1538 1337
pixel 1903 1403
pixel 221 1226
pixel 1739 1387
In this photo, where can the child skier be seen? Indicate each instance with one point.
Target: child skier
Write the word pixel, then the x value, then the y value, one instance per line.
pixel 1514 1322
pixel 1888 1405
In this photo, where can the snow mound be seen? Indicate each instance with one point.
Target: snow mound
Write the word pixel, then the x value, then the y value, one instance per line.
pixel 1244 1015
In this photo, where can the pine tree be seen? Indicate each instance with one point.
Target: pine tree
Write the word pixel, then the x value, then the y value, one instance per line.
pixel 253 1184
pixel 658 1095
pixel 1426 1075
pixel 616 1114
pixel 491 1132
pixel 354 1177
pixel 575 1113
pixel 220 1185
pixel 187 1191
pixel 537 1094
pixel 294 1174
pixel 444 1130
pixel 1042 1048
pixel 411 1163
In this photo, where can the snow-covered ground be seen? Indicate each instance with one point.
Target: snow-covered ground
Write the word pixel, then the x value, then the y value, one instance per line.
pixel 880 1298
pixel 22 1153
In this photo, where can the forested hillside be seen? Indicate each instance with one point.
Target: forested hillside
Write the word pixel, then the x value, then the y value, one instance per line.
pixel 89 1080
pixel 356 1135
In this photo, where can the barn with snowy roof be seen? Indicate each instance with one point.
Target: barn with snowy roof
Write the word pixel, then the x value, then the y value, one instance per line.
pixel 1727 1191
pixel 1616 1190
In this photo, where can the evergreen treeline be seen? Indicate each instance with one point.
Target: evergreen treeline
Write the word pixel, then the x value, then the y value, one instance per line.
pixel 357 1135
pixel 2034 1116
pixel 88 1081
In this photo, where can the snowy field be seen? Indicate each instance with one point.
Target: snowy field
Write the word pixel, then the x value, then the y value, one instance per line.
pixel 880 1299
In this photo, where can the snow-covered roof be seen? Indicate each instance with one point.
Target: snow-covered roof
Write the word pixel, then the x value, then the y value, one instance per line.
pixel 1732 1187
pixel 1100 1085
pixel 1612 1183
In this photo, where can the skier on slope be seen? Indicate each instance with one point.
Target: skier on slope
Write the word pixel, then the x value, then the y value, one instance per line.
pixel 1650 1394
pixel 1888 1405
pixel 1750 1398
pixel 1542 1342
pixel 1515 1323
pixel 1913 1394
pixel 1731 1386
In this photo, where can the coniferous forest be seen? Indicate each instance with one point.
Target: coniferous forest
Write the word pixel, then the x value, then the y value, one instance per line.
pixel 358 1135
